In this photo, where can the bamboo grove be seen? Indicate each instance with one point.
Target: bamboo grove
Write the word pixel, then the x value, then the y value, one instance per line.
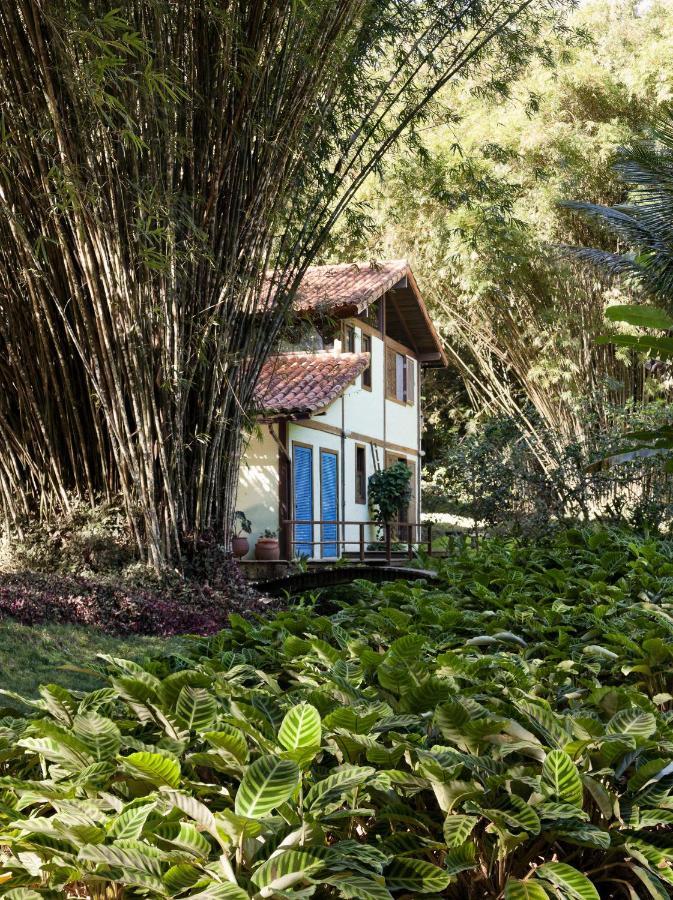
pixel 167 171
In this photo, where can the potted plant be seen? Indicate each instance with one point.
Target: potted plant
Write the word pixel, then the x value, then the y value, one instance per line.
pixel 389 493
pixel 267 546
pixel 239 542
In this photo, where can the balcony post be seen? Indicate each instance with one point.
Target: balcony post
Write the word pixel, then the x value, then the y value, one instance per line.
pixel 389 549
pixel 362 541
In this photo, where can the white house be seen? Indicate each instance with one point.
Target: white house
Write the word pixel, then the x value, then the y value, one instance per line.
pixel 339 400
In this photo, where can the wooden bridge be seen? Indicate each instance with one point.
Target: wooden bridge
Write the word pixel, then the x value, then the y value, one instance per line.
pixel 318 577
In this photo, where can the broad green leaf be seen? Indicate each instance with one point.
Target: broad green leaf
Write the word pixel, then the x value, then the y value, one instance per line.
pixel 560 773
pixel 569 879
pixel 267 783
pixel 416 876
pixel 154 767
pixel 101 736
pixel 179 878
pixel 641 316
pixel 457 829
pixel 196 708
pixel 524 890
pixel 288 868
pixel 358 887
pixel 300 728
pixel 128 825
pixel 656 888
pixel 632 721
pixel 220 890
pixel 336 785
pixel 230 739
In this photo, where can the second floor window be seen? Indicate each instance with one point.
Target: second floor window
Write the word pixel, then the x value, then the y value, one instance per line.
pixel 349 339
pixel 400 381
pixel 367 374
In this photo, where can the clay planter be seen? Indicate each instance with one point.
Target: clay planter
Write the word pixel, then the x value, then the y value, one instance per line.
pixel 267 549
pixel 240 546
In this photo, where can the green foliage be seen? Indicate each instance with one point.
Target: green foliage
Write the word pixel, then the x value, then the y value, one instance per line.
pixel 478 215
pixel 496 477
pixel 389 492
pixel 643 223
pixel 242 524
pixel 506 734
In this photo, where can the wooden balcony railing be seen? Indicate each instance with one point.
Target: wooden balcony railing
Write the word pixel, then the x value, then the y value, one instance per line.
pixel 408 535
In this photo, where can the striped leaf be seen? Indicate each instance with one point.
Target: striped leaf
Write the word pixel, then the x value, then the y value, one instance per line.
pixel 267 783
pixel 457 829
pixel 560 773
pixel 220 890
pixel 524 890
pixel 196 708
pixel 334 787
pixel 287 868
pixel 632 721
pixel 181 877
pixel 231 740
pixel 417 876
pixel 184 836
pixel 154 767
pixel 301 728
pixel 358 887
pixel 128 825
pixel 100 735
pixel 656 888
pixel 573 883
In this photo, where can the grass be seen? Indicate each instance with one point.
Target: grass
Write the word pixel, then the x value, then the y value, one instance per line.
pixel 37 654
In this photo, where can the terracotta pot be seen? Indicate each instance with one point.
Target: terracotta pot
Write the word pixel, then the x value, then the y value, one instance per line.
pixel 267 549
pixel 240 546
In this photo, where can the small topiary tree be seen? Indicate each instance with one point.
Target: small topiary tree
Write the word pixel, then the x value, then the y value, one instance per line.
pixel 389 492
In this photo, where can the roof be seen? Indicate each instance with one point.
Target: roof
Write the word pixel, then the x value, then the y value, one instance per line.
pixel 347 288
pixel 300 383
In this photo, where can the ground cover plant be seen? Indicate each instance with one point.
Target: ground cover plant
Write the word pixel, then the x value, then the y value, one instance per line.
pixel 506 735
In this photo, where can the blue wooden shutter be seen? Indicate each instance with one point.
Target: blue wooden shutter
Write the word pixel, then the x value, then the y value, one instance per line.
pixel 302 462
pixel 329 503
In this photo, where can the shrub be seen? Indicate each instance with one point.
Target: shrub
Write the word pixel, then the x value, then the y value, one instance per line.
pixel 505 735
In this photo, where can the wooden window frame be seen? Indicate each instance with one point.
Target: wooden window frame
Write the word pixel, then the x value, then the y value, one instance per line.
pixel 348 338
pixel 361 498
pixel 368 371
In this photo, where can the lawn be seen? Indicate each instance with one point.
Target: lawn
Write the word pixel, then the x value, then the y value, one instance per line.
pixel 39 654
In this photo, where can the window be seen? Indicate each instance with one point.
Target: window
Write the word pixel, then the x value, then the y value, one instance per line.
pixel 360 474
pixel 367 374
pixel 400 377
pixel 373 315
pixel 349 339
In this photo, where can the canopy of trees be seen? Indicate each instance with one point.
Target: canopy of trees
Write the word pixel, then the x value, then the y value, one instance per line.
pixel 162 163
pixel 480 214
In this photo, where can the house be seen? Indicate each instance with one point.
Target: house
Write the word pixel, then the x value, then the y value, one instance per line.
pixel 339 400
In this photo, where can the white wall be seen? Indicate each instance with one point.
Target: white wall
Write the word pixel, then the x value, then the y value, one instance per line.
pixel 258 485
pixel 402 419
pixel 367 417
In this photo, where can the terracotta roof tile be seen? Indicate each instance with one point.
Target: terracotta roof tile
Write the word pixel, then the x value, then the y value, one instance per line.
pixel 302 383
pixel 345 288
